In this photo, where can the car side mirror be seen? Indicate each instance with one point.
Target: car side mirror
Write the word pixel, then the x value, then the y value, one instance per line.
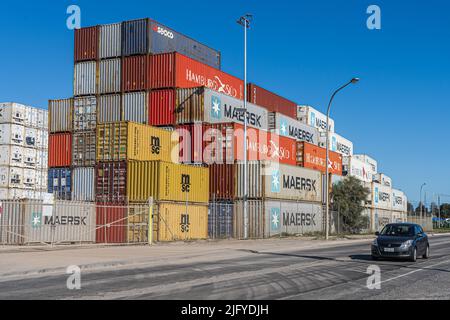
pixel 377 233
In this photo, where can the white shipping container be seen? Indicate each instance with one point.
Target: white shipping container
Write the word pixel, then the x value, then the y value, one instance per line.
pixel 60 115
pixel 292 218
pixel 42 119
pixel 83 184
pixel 382 179
pixel 381 217
pixel 29 158
pixel 314 118
pixel 11 177
pixel 41 179
pixel 337 143
pixel 41 139
pixel 11 112
pixel 109 109
pixel 84 113
pixel 399 201
pixel 12 134
pixel 42 159
pixel 370 161
pixel 29 179
pixel 30 137
pixel 11 155
pixel 357 168
pixel 110 76
pixel 220 108
pixel 110 40
pixel 288 127
pixel 85 78
pixel 381 196
pixel 30 117
pixel 11 193
pixel 135 107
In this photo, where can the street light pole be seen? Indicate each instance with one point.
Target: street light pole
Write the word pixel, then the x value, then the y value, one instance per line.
pixel 245 22
pixel 327 191
pixel 420 202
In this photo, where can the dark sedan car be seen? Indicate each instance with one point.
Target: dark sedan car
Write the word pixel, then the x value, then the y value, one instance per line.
pixel 401 240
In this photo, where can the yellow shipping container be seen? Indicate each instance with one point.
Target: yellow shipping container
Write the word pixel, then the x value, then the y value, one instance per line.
pixel 165 181
pixel 138 220
pixel 176 221
pixel 120 141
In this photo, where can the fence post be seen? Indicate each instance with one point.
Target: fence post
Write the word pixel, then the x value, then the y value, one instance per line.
pixel 150 221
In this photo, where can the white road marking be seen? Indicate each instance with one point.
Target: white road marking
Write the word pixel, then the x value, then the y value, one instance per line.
pixel 414 271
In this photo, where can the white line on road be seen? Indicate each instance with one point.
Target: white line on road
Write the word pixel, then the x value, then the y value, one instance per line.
pixel 414 271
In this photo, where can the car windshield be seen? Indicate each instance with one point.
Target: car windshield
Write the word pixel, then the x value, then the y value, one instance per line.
pixel 397 231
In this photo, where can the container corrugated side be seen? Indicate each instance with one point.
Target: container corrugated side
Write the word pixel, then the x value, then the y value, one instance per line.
pixel 59 183
pixel 135 37
pixel 289 127
pixel 162 107
pixel 220 220
pixel 60 150
pixel 110 40
pixel 12 222
pixel 83 184
pixel 381 196
pixel 222 181
pixel 110 76
pixel 167 182
pixel 179 221
pixel 83 149
pixel 85 78
pixel 111 224
pixel 189 105
pixel 314 157
pixel 84 113
pixel 60 115
pixel 135 107
pixel 271 101
pixel 109 108
pixel 136 73
pixel 111 182
pixel 11 112
pixel 86 44
pixel 256 219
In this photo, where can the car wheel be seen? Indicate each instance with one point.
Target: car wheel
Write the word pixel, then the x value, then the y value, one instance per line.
pixel 413 257
pixel 426 255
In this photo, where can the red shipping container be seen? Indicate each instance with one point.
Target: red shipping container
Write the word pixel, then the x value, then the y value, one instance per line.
pixel 136 73
pixel 221 181
pixel 60 150
pixel 191 143
pixel 314 157
pixel 111 182
pixel 162 107
pixel 86 44
pixel 111 223
pixel 174 70
pixel 271 101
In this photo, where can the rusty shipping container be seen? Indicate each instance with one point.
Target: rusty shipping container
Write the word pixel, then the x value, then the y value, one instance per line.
pixel 314 157
pixel 60 115
pixel 164 181
pixel 222 181
pixel 111 223
pixel 256 219
pixel 132 141
pixel 191 143
pixel 135 107
pixel 136 73
pixel 86 44
pixel 110 76
pixel 111 182
pixel 174 70
pixel 110 40
pixel 109 108
pixel 85 78
pixel 84 113
pixel 60 182
pixel 60 150
pixel 83 150
pixel 271 101
pixel 181 221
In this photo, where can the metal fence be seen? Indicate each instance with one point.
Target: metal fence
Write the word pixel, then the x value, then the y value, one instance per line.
pixel 425 222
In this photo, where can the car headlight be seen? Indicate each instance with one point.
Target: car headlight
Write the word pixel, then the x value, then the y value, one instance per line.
pixel 375 243
pixel 407 244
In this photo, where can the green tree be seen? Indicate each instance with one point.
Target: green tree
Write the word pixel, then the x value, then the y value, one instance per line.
pixel 445 210
pixel 349 196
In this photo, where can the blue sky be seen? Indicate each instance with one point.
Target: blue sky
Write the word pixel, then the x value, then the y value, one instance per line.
pixel 398 113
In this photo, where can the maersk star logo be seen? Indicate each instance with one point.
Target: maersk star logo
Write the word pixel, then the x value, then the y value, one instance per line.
pixel 216 107
pixel 376 195
pixel 313 119
pixel 276 181
pixel 283 127
pixel 333 144
pixel 36 220
pixel 275 219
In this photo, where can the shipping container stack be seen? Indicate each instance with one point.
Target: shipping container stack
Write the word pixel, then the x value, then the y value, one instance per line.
pixel 23 151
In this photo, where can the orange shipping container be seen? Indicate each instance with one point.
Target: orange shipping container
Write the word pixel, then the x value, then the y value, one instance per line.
pixel 314 157
pixel 60 150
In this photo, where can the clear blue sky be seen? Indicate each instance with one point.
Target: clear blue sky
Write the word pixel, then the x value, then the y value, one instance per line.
pixel 398 113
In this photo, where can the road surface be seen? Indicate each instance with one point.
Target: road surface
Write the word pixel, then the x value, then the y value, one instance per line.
pixel 329 272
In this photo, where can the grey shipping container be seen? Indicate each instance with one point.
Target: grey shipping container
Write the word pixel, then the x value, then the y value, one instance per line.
pixel 148 36
pixel 85 78
pixel 289 127
pixel 255 219
pixel 83 148
pixel 220 220
pixel 110 76
pixel 110 40
pixel 32 221
pixel 292 218
pixel 60 115
pixel 109 108
pixel 85 113
pixel 135 107
pixel 83 184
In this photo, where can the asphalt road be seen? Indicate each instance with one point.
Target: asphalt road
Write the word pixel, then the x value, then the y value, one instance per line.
pixel 325 273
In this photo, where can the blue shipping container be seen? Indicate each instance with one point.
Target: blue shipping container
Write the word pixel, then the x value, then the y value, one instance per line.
pixel 135 37
pixel 59 183
pixel 220 220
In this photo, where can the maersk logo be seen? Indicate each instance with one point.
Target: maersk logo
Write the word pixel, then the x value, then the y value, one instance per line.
pixel 284 127
pixel 299 219
pixel 313 119
pixel 232 113
pixel 376 195
pixel 333 144
pixel 299 183
pixel 276 181
pixel 216 108
pixel 36 219
pixel 275 219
